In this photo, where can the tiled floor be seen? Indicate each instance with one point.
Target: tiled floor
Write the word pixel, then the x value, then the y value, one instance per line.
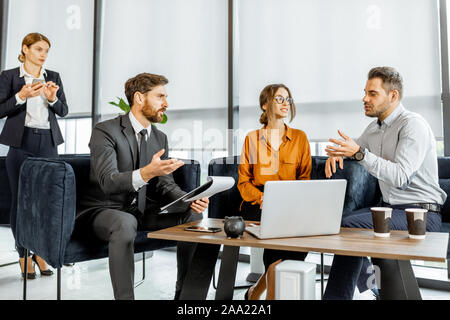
pixel 90 280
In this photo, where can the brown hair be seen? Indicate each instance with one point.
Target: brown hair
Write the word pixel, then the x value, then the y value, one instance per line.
pixel 266 97
pixel 29 40
pixel 143 83
pixel 392 80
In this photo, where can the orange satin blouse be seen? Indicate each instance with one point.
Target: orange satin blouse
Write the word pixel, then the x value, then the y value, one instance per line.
pixel 260 162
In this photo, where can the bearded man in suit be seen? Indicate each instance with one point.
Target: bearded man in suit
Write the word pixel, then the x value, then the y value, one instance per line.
pixel 129 160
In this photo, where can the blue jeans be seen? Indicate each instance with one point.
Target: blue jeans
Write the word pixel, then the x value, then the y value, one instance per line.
pixel 348 272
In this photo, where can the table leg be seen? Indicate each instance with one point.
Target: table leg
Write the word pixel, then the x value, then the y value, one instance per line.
pixel 321 277
pixel 198 278
pixel 397 280
pixel 227 273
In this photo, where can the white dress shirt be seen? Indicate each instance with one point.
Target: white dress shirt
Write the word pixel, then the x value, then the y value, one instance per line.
pixel 401 153
pixel 37 107
pixel 137 180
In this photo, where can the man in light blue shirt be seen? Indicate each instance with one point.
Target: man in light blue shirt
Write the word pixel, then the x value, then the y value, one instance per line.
pixel 399 149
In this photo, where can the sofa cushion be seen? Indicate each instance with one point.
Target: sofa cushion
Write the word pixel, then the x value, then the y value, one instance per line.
pixel 225 203
pixel 81 166
pixel 45 221
pixel 187 176
pixel 362 188
pixel 444 182
pixel 445 185
pixel 5 193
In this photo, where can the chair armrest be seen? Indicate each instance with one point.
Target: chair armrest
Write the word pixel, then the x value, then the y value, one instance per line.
pixel 46 208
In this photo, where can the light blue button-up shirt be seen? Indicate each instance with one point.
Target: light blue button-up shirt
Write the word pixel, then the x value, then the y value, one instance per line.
pixel 401 154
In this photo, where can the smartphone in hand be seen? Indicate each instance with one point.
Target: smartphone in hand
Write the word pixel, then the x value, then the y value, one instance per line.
pixel 37 81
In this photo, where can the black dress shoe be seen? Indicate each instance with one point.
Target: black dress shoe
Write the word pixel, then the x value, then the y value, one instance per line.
pixel 47 272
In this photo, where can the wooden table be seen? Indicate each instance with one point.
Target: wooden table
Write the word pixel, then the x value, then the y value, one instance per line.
pixel 397 277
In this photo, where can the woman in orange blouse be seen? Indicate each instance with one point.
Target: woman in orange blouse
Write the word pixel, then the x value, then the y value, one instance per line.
pixel 274 152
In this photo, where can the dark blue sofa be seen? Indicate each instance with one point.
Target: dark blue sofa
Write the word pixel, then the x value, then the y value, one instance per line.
pixel 5 193
pixel 48 192
pixel 362 188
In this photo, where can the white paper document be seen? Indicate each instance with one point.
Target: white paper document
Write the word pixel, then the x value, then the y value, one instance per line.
pixel 213 185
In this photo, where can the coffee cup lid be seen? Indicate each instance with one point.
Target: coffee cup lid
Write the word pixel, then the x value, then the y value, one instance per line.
pixel 381 209
pixel 416 210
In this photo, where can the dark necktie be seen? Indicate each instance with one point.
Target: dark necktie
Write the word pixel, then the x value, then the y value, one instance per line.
pixel 142 163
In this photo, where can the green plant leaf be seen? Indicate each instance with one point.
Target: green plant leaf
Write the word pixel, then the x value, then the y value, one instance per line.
pixel 124 106
pixel 164 120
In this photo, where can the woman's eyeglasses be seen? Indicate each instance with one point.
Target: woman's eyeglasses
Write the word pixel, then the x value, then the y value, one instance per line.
pixel 280 100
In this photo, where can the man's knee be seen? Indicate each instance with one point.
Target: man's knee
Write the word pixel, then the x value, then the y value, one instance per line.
pixel 358 220
pixel 124 228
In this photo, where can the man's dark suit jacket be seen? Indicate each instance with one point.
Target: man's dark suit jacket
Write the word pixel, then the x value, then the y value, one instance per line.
pixel 10 84
pixel 114 154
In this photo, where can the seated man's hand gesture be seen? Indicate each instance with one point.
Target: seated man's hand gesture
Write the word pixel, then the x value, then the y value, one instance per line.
pixel 158 167
pixel 346 148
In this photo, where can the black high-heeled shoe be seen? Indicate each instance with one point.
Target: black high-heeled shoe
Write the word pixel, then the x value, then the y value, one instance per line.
pixel 30 275
pixel 47 272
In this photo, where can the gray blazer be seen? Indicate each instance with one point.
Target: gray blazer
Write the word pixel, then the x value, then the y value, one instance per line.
pixel 114 152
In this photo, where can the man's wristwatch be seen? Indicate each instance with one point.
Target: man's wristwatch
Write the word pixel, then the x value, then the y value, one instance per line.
pixel 359 155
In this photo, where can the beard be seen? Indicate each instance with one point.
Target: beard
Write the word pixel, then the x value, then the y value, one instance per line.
pixel 376 111
pixel 152 115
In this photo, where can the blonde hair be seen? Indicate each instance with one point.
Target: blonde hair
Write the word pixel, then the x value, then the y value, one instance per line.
pixel 266 97
pixel 29 40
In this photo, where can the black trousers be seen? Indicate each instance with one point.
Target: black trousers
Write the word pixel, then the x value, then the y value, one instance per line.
pixel 35 143
pixel 119 228
pixel 253 212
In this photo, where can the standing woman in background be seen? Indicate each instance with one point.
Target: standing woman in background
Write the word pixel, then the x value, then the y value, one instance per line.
pixel 30 96
pixel 274 152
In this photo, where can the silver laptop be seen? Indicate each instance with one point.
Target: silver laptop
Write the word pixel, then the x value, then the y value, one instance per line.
pixel 300 208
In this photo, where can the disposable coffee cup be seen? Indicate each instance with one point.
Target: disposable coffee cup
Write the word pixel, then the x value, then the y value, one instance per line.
pixel 381 217
pixel 417 222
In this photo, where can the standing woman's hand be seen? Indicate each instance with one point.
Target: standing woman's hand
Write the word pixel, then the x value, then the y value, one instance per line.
pixel 30 91
pixel 50 89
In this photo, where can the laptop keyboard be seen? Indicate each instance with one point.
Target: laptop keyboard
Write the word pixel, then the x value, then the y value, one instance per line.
pixel 254 230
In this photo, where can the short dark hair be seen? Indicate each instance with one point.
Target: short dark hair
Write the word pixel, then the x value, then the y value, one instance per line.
pixel 143 83
pixel 392 80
